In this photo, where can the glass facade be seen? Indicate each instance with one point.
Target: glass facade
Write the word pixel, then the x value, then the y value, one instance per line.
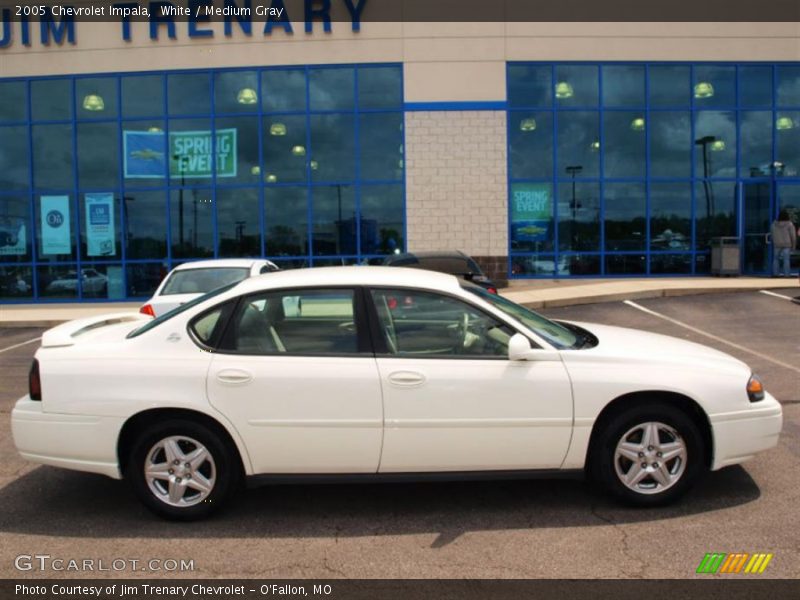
pixel 109 181
pixel 632 169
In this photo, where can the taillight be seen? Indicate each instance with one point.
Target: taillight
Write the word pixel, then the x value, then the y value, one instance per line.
pixel 755 389
pixel 492 290
pixel 34 383
pixel 147 310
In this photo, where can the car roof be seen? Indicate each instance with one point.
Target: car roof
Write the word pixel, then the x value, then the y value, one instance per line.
pixel 220 263
pixel 354 275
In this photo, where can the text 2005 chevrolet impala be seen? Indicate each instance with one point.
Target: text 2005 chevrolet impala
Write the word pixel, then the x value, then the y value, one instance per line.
pixel 380 371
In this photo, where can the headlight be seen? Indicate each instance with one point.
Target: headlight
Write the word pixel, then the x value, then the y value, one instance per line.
pixel 755 389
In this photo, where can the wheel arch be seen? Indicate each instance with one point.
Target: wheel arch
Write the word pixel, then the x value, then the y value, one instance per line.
pixel 141 420
pixel 688 405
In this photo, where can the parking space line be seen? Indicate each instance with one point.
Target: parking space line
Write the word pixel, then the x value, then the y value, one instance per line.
pixel 712 336
pixel 20 344
pixel 768 293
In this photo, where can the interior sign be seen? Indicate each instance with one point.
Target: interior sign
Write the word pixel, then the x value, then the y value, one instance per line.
pixel 100 231
pixel 54 213
pixel 531 211
pixel 189 154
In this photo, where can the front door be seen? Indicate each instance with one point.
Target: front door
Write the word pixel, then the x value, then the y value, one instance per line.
pixel 757 216
pixel 453 401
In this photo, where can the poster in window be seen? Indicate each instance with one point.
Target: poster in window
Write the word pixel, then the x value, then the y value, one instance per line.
pixel 531 212
pixel 54 211
pixel 100 227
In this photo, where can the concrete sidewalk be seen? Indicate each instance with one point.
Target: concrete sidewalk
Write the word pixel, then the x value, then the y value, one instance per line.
pixel 539 293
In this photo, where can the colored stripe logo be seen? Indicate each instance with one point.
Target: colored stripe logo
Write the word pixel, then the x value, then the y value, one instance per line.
pixel 736 563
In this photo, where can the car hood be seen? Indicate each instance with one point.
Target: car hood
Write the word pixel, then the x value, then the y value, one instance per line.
pixel 635 346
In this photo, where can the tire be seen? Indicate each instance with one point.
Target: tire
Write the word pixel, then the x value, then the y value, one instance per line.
pixel 672 463
pixel 172 490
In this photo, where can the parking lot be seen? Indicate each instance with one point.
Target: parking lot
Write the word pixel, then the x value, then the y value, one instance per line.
pixel 510 529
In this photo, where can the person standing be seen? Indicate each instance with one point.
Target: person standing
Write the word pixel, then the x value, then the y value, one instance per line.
pixel 784 238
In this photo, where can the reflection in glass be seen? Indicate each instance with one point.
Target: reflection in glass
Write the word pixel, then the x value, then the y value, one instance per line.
pixel 191 217
pixel 143 96
pixel 583 81
pixel 235 164
pixel 714 85
pixel 624 221
pixel 755 129
pixel 286 221
pixel 671 216
pixel 381 146
pixel 531 148
pixel 283 90
pixel 98 155
pixel 236 92
pixel 670 144
pixel 333 147
pixel 578 216
pixel 189 94
pixel 787 145
pixel 382 219
pixel 144 278
pixel 335 220
pixel 238 222
pixel 331 89
pixel 57 282
pixel 15 229
pixel 16 283
pixel 51 99
pixel 755 86
pixel 623 85
pixel 577 131
pixel 530 85
pixel 13 101
pixel 712 158
pixel 281 165
pixel 96 98
pixel 14 168
pixel 145 218
pixel 788 86
pixel 715 212
pixel 624 154
pixel 668 86
pixel 626 264
pixel 678 264
pixel 52 157
pixel 380 88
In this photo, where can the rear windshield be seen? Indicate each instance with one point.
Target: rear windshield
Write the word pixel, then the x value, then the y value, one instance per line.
pixel 202 281
pixel 178 310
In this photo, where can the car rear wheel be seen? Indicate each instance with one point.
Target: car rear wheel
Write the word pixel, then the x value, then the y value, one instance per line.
pixel 182 470
pixel 649 455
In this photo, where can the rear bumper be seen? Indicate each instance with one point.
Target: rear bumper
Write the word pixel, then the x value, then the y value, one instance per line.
pixel 77 442
pixel 741 435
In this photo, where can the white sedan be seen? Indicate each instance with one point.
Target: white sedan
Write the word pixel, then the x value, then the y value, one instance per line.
pixel 193 279
pixel 380 372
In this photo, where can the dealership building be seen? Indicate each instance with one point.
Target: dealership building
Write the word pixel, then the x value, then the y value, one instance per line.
pixel 542 149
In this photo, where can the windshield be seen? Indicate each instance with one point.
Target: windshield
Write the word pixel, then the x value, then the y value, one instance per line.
pixel 178 310
pixel 557 335
pixel 202 281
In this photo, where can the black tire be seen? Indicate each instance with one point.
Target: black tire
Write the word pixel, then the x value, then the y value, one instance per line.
pixel 608 468
pixel 222 469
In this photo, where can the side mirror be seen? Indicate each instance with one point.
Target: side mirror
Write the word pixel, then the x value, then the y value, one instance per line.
pixel 518 347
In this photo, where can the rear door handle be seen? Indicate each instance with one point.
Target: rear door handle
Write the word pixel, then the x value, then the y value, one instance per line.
pixel 406 378
pixel 234 376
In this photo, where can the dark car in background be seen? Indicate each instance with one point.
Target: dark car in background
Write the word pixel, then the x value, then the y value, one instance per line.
pixel 453 262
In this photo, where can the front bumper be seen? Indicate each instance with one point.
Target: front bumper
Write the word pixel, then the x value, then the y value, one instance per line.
pixel 77 442
pixel 739 436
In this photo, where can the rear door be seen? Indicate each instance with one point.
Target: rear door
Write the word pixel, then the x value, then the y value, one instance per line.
pixel 297 377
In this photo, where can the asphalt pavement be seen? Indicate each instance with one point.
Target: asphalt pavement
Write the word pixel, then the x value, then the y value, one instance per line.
pixel 510 529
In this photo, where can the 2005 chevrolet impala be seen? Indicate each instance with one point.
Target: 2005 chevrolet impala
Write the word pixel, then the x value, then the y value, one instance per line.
pixel 380 371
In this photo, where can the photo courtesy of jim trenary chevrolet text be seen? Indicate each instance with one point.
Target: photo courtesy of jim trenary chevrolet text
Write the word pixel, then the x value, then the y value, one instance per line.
pixel 357 299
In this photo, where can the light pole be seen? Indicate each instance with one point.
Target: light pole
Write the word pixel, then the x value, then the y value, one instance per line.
pixel 704 142
pixel 573 170
pixel 179 159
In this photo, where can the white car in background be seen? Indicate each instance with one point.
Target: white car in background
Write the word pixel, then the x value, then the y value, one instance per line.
pixel 380 372
pixel 193 279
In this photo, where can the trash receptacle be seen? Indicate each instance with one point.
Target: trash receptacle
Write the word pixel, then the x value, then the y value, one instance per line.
pixel 725 256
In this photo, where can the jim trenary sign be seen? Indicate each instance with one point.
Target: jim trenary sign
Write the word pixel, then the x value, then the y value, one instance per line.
pixel 49 23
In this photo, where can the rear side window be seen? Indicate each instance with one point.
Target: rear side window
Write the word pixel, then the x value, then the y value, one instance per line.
pixel 202 281
pixel 208 327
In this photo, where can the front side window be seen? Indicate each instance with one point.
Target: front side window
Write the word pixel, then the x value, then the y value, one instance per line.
pixel 295 322
pixel 417 324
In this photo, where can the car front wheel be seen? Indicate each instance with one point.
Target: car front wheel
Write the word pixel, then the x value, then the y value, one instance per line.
pixel 182 470
pixel 650 455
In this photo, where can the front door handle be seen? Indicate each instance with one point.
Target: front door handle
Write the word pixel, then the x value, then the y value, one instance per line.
pixel 406 378
pixel 234 376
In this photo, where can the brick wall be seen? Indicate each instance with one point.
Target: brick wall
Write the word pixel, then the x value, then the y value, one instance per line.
pixel 456 185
